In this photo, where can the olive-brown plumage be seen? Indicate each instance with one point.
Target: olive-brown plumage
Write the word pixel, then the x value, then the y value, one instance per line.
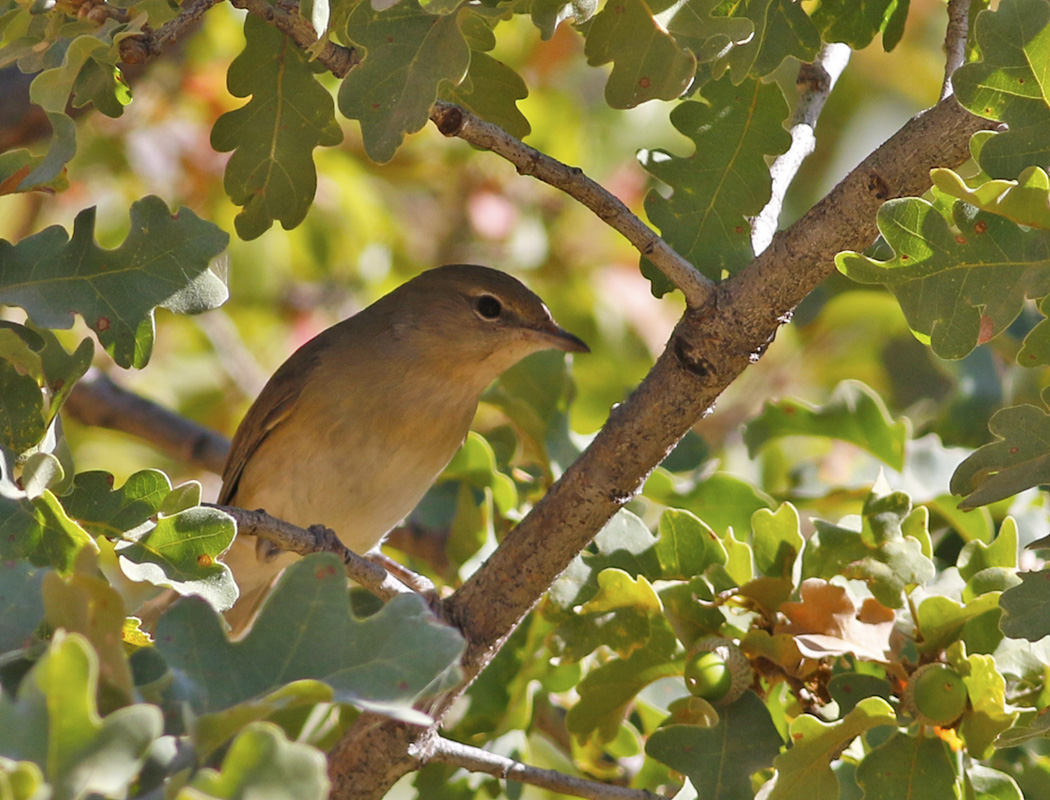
pixel 356 425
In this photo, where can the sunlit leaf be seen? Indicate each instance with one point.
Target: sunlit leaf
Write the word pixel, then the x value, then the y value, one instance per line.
pixel 163 262
pixel 271 172
pixel 725 182
pixel 1010 83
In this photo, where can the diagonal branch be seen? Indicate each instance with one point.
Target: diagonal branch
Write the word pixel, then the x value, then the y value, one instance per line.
pixel 452 120
pixel 475 759
pixel 710 347
pixel 96 400
pixel 815 82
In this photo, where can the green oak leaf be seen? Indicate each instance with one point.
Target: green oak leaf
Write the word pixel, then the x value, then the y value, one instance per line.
pixel 1026 608
pixel 940 619
pixel 782 29
pixel 547 15
pixel 1025 201
pixel 647 61
pixel 307 620
pixel 624 543
pixel 163 262
pixel 85 603
pixel 22 780
pixel 906 767
pixel 854 413
pixel 491 90
pixel 702 27
pixel 854 22
pixel 990 784
pixel 804 771
pixel 776 540
pixel 212 731
pixel 1018 460
pixel 976 556
pixel 182 551
pixel 1035 351
pixel 15 165
pixel 38 528
pixel 880 553
pixel 21 604
pixel 987 716
pixel 408 53
pixel 271 172
pixel 721 500
pixel 724 182
pixel 850 688
pixel 957 288
pixel 719 760
pixel 624 616
pixel 1011 83
pixel 686 547
pixel 34 358
pixel 608 689
pixel 160 536
pixel 54 722
pixel 262 762
pixel 106 511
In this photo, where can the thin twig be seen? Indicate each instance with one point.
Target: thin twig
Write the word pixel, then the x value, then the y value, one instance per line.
pixel 815 82
pixel 955 41
pixel 475 759
pixel 303 541
pixel 97 400
pixel 452 120
pixel 287 19
pixel 136 49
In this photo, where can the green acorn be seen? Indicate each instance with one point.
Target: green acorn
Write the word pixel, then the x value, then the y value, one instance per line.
pixel 936 695
pixel 717 670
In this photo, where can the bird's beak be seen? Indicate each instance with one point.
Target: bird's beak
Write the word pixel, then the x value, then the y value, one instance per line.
pixel 561 339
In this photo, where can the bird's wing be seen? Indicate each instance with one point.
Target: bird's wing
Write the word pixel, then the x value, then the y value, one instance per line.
pixel 273 405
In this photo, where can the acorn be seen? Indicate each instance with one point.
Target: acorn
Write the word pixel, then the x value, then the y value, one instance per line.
pixel 936 695
pixel 717 670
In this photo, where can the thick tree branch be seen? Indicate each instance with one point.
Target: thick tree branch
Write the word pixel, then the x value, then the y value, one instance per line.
pixel 710 347
pixel 304 541
pixel 475 759
pixel 815 82
pixel 452 120
pixel 97 400
pixel 955 41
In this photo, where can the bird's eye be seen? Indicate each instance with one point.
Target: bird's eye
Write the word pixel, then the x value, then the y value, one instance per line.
pixel 488 307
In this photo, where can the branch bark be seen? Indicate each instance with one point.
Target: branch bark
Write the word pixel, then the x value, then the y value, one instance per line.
pixel 709 348
pixel 815 82
pixel 304 541
pixel 452 120
pixel 475 759
pixel 955 41
pixel 97 400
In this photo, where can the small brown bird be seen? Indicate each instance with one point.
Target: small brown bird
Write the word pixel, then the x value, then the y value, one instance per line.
pixel 356 425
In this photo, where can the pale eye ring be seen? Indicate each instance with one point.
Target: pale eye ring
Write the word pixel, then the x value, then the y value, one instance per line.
pixel 488 307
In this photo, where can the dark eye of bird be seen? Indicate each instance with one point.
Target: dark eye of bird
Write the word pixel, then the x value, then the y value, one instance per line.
pixel 488 306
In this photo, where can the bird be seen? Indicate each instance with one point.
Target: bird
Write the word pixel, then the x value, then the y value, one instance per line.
pixel 358 423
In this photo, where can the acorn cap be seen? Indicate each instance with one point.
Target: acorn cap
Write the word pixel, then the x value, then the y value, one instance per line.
pixel 735 661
